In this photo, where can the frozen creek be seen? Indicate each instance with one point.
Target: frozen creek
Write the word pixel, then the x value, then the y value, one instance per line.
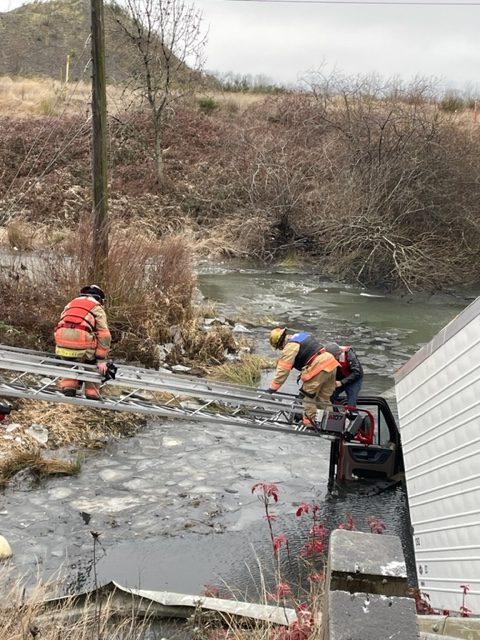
pixel 173 505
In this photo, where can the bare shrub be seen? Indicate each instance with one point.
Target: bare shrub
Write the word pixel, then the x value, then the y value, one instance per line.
pixel 151 285
pixel 371 178
pixel 150 291
pixel 20 236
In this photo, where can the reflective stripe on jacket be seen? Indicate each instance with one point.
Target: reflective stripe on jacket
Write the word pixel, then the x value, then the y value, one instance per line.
pixel 83 328
pixel 322 362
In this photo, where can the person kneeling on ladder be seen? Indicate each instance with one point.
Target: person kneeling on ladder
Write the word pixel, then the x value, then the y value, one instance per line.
pixel 82 335
pixel 303 352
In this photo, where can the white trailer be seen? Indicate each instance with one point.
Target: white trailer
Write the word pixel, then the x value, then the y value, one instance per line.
pixel 438 396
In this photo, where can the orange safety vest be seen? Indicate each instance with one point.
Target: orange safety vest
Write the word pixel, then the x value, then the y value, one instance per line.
pixel 321 362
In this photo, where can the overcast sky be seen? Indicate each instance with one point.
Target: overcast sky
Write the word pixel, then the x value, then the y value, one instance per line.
pixel 283 41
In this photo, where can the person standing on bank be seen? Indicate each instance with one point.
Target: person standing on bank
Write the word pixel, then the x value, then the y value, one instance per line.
pixel 82 335
pixel 303 352
pixel 349 377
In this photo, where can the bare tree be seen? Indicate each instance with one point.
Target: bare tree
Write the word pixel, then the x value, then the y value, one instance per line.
pixel 168 44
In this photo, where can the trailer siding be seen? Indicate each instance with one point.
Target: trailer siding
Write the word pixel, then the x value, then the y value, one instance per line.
pixel 438 396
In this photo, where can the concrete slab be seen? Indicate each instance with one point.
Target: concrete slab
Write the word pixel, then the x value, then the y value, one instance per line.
pixel 365 562
pixel 358 616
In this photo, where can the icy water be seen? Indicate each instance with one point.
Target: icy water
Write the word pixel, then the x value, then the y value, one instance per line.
pixel 174 506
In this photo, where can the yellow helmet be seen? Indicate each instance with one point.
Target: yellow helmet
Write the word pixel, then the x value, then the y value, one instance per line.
pixel 277 337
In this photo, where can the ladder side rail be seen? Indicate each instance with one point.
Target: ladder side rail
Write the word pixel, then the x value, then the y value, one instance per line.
pixel 154 411
pixel 175 387
pixel 40 357
pixel 76 371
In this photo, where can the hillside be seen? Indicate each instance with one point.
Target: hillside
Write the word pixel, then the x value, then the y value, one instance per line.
pixel 37 37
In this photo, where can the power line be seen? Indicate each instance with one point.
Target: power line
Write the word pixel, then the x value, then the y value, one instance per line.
pixel 424 3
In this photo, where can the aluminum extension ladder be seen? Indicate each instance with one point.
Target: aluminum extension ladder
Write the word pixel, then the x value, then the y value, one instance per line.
pixel 34 375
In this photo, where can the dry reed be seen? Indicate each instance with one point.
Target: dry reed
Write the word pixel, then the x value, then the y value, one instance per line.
pixel 29 615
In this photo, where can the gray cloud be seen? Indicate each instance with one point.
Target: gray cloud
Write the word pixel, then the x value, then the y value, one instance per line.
pixel 284 40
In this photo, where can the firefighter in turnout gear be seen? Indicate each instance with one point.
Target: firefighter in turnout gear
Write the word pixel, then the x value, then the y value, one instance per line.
pixel 317 368
pixel 82 335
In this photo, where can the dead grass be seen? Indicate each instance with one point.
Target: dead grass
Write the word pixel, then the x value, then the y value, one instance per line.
pixel 70 425
pixel 37 465
pixel 48 97
pixel 20 235
pixel 67 426
pixel 29 616
pixel 246 372
pixel 150 288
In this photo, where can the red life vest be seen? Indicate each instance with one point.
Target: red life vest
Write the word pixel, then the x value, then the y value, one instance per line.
pixel 342 359
pixel 76 315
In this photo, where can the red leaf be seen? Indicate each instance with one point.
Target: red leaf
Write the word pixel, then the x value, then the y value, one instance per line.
pixel 269 490
pixel 376 525
pixel 317 531
pixel 256 486
pixel 349 524
pixel 304 507
pixel 312 547
pixel 278 541
pixel 281 590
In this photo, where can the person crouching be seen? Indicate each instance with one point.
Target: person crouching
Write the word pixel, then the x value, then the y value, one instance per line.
pixel 82 335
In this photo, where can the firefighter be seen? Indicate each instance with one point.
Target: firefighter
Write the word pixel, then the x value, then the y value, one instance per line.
pixel 317 368
pixel 82 335
pixel 349 377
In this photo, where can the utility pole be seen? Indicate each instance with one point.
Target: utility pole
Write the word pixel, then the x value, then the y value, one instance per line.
pixel 99 146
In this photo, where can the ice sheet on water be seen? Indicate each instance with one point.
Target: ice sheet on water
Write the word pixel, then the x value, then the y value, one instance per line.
pixel 138 484
pixel 185 484
pixel 201 489
pixel 168 441
pixel 145 465
pixel 114 475
pixel 59 493
pixel 106 504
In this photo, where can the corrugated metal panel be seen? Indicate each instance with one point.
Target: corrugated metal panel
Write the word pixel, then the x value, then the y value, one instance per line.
pixel 438 395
